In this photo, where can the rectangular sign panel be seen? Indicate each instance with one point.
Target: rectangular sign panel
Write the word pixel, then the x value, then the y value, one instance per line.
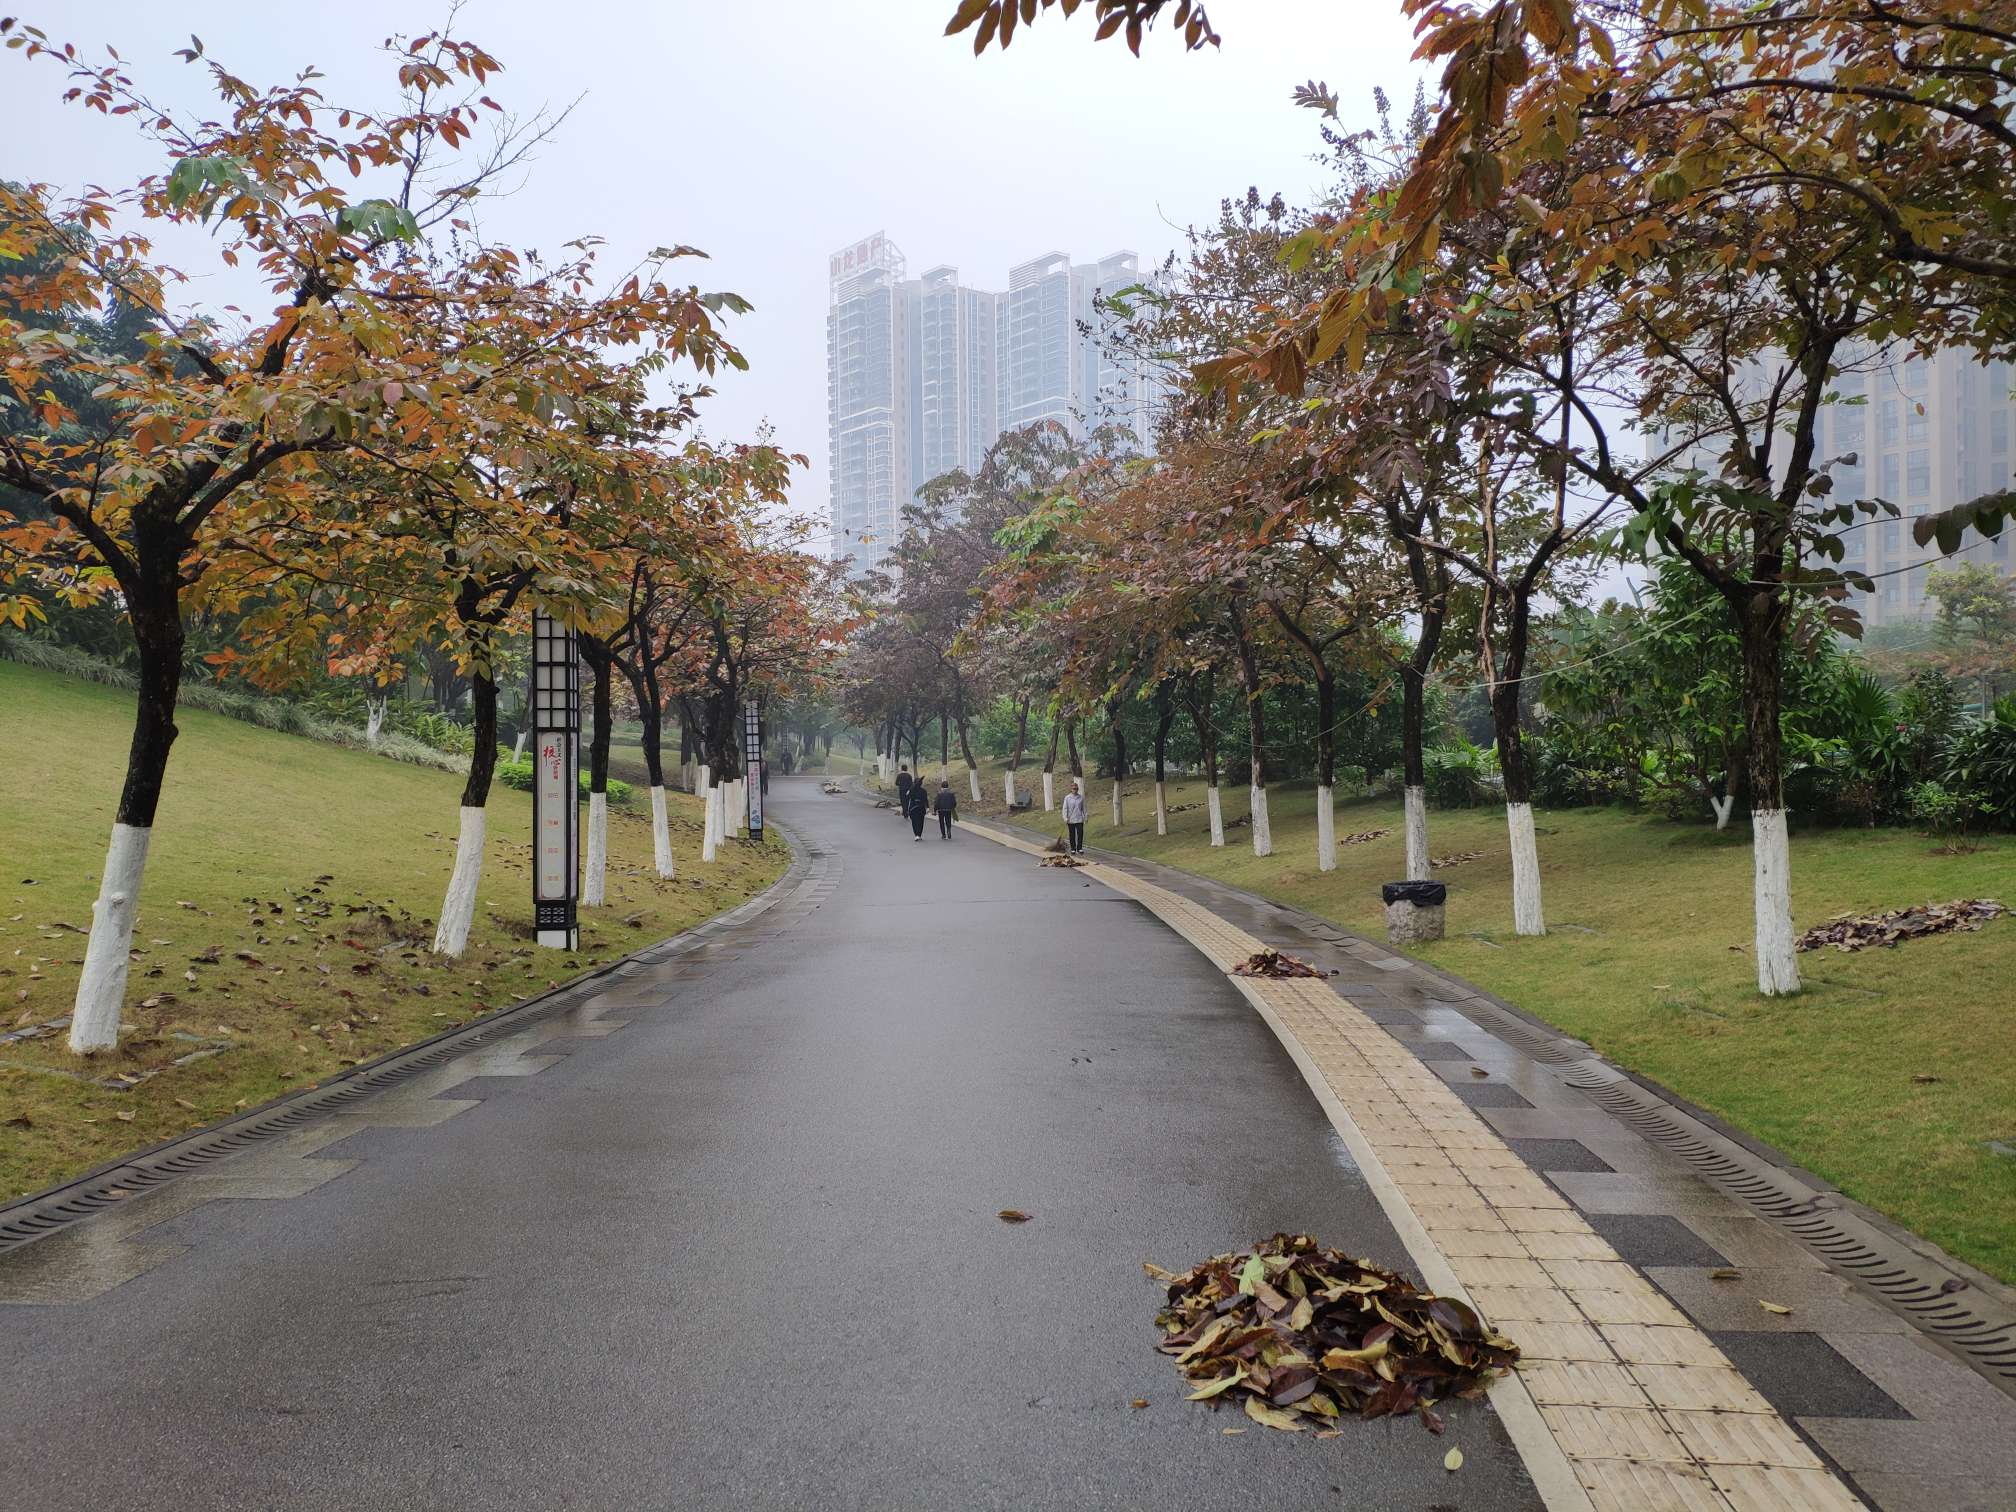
pixel 553 868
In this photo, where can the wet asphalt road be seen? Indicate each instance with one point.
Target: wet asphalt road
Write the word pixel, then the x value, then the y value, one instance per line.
pixel 743 1252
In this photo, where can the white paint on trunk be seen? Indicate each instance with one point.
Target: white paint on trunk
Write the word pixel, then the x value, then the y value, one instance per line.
pixel 661 836
pixel 374 720
pixel 1723 808
pixel 101 990
pixel 1527 916
pixel 1214 803
pixel 1049 792
pixel 1777 957
pixel 1008 786
pixel 1263 831
pixel 1116 803
pixel 1326 827
pixel 710 810
pixel 973 782
pixel 1161 809
pixel 739 818
pixel 598 850
pixel 518 747
pixel 1418 869
pixel 458 909
pixel 701 778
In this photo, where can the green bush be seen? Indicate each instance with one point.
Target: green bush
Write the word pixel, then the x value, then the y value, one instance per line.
pixel 1981 765
pixel 1943 812
pixel 518 774
pixel 1459 775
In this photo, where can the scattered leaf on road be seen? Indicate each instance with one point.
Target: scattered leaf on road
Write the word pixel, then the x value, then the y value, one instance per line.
pixel 1725 1273
pixel 1012 1215
pixel 1453 1460
pixel 1774 1307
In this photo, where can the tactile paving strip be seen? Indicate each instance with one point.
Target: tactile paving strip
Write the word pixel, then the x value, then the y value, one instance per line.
pixel 1649 1414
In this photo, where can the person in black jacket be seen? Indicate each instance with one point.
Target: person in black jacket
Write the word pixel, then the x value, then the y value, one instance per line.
pixel 915 809
pixel 904 782
pixel 947 805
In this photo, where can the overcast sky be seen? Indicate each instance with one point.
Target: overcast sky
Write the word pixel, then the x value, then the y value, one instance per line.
pixel 770 134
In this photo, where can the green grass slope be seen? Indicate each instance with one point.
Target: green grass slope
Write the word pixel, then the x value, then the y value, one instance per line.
pixel 312 874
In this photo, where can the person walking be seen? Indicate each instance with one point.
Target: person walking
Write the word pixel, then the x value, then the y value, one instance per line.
pixel 947 805
pixel 1074 818
pixel 915 808
pixel 904 782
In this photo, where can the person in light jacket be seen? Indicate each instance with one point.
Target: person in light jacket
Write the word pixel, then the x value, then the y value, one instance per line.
pixel 1074 818
pixel 947 805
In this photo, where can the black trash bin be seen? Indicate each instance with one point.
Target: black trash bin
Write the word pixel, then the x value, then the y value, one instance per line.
pixel 1414 910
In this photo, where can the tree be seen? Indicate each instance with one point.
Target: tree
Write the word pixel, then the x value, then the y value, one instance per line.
pixel 209 418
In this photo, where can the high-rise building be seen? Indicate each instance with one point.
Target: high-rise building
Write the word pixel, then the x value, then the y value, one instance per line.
pixel 869 410
pixel 1927 433
pixel 957 418
pixel 925 374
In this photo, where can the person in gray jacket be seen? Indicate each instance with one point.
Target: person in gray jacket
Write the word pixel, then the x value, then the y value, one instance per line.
pixel 1074 818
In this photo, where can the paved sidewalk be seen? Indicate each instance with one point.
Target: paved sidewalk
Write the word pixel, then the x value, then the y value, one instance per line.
pixel 722 1233
pixel 1598 1246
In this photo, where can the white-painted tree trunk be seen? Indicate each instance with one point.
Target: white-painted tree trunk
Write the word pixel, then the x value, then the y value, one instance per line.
pixel 1116 805
pixel 661 836
pixel 101 990
pixel 1777 956
pixel 733 812
pixel 701 779
pixel 374 720
pixel 1214 805
pixel 1049 792
pixel 1723 807
pixel 458 909
pixel 1008 786
pixel 1527 916
pixel 518 747
pixel 592 884
pixel 1161 809
pixel 1263 832
pixel 1418 868
pixel 973 782
pixel 1326 828
pixel 710 815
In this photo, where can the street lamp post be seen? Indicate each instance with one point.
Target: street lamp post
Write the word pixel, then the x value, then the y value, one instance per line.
pixel 752 764
pixel 556 795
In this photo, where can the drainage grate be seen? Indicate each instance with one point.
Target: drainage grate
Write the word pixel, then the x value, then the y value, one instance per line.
pixel 1924 1291
pixel 34 1217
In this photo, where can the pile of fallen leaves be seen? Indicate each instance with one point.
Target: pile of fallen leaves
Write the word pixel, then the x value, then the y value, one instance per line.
pixel 831 787
pixel 1438 862
pixel 1277 963
pixel 1364 835
pixel 1860 931
pixel 1306 1336
pixel 1062 858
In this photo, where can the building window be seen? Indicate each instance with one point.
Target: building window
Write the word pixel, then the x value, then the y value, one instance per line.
pixel 1914 375
pixel 1887 430
pixel 1918 472
pixel 1850 426
pixel 1998 430
pixel 1917 424
pixel 1893 537
pixel 1890 478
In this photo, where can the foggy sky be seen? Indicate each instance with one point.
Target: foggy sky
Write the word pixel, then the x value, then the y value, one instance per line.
pixel 772 132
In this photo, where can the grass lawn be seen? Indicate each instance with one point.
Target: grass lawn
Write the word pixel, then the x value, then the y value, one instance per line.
pixel 322 866
pixel 1887 1075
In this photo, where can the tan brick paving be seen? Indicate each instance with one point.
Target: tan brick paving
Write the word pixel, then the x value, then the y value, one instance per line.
pixel 1651 1416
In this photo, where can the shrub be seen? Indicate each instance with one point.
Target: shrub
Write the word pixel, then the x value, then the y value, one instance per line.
pixel 1459 775
pixel 518 774
pixel 1943 812
pixel 1981 765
